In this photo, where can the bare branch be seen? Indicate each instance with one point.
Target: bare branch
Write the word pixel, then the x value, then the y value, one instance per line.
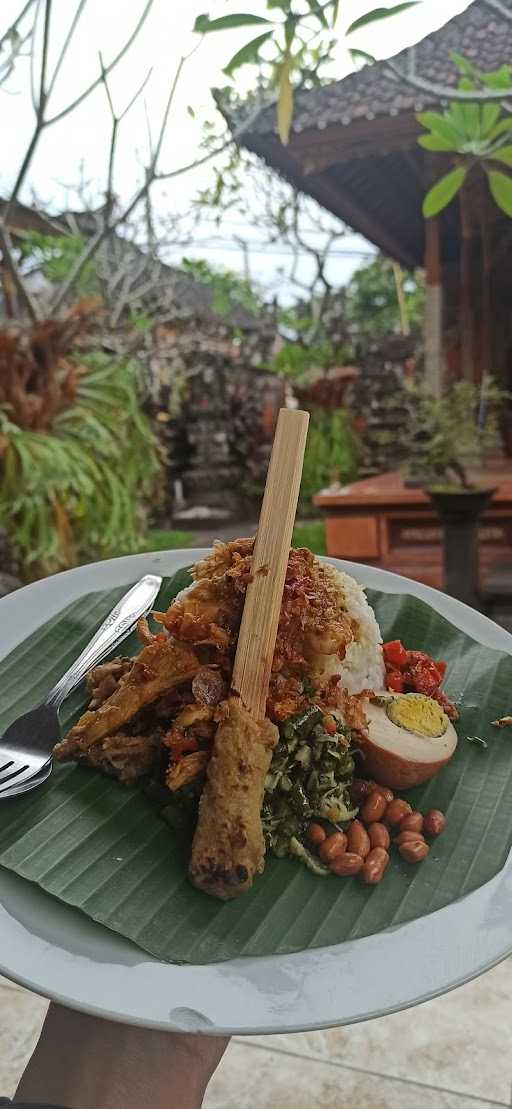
pixel 231 141
pixel 65 46
pixel 33 93
pixel 14 26
pixel 44 59
pixel 108 68
pixel 136 94
pixel 446 92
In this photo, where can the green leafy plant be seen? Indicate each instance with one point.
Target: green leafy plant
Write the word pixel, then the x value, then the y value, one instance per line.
pixel 289 45
pixel 297 361
pixel 55 255
pixel 479 134
pixel 372 306
pixel 332 448
pixel 80 490
pixel 228 288
pixel 446 435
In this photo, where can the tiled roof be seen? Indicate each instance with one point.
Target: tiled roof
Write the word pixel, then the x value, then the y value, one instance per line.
pixel 478 33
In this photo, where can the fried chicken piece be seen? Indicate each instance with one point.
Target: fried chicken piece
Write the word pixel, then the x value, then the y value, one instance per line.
pixel 143 631
pixel 125 757
pixel 228 848
pixel 103 679
pixel 189 767
pixel 157 668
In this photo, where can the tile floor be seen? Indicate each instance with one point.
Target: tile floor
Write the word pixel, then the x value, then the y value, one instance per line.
pixel 451 1053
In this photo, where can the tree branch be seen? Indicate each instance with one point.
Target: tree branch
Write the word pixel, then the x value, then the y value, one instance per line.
pixel 446 92
pixel 44 60
pixel 108 69
pixel 65 45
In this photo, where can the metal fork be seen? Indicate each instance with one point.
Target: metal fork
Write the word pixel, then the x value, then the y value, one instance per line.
pixel 25 748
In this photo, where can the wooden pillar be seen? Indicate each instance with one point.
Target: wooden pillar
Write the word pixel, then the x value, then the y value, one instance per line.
pixel 434 366
pixel 466 314
pixel 486 230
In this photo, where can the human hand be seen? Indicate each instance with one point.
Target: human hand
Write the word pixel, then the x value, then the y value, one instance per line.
pixel 82 1062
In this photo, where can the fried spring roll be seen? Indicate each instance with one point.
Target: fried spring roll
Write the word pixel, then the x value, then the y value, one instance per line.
pixel 228 848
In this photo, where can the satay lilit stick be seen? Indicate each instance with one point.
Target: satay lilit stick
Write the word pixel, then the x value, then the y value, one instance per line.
pixel 228 848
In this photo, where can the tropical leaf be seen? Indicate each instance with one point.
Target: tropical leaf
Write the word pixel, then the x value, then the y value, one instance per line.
pixel 490 114
pixel 380 13
pixel 435 142
pixel 501 188
pixel 248 53
pixel 501 128
pixel 463 64
pixel 442 126
pixel 498 79
pixel 204 24
pixel 98 462
pixel 503 155
pixel 444 190
pixel 284 102
pixel 103 848
pixel 361 56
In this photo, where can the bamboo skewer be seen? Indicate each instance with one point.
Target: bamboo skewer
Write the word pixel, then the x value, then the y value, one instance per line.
pixel 258 630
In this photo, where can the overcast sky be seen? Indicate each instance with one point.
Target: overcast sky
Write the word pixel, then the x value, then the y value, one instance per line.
pixel 84 135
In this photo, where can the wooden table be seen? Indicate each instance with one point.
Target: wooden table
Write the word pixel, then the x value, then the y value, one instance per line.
pixel 382 522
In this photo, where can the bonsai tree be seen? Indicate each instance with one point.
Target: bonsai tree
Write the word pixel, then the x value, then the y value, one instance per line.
pixel 447 435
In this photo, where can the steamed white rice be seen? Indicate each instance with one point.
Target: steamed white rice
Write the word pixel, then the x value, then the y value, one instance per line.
pixel 363 665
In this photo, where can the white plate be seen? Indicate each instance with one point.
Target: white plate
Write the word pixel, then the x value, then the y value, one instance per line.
pixel 59 953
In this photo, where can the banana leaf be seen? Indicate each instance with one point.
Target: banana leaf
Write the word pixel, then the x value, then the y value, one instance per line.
pixel 105 849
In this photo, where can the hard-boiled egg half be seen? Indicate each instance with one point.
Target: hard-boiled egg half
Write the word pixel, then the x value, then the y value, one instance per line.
pixel 410 739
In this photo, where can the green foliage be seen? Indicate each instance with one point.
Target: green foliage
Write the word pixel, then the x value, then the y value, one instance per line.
pixel 55 255
pixel 478 134
pixel 296 361
pixel 158 540
pixel 447 434
pixel 380 13
pixel 332 447
pixel 444 190
pixel 300 42
pixel 229 290
pixel 372 305
pixel 310 535
pixel 79 491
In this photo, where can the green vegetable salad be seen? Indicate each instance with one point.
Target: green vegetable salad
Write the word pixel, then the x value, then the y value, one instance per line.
pixel 309 778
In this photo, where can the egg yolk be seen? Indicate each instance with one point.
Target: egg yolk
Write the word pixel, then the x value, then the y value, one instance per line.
pixel 418 714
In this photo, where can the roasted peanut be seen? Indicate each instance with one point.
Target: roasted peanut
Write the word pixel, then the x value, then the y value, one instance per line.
pixel 378 835
pixel 387 793
pixel 374 807
pixel 408 837
pixel 414 851
pixel 333 846
pixel 374 866
pixel 316 834
pixel 396 811
pixel 358 841
pixel 434 823
pixel 345 864
pixel 412 822
pixel 360 789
